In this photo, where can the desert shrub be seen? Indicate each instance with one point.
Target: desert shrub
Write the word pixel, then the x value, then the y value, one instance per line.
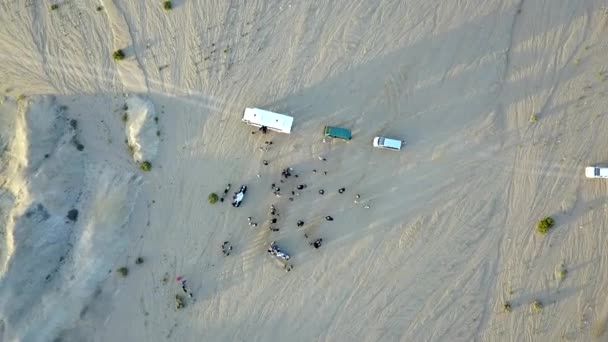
pixel 545 224
pixel 167 5
pixel 145 166
pixel 536 306
pixel 158 133
pixel 99 8
pixel 533 118
pixel 212 198
pixel 54 7
pixel 179 302
pixel 118 55
pixel 123 271
pixel 125 117
pixel 72 215
pixel 561 272
pixel 139 260
pixel 506 306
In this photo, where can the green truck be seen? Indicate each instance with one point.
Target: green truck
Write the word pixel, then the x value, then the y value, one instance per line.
pixel 337 132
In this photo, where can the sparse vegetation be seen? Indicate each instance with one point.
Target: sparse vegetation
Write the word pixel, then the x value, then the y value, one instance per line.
pixel 226 50
pixel 506 306
pixel 125 117
pixel 561 272
pixel 533 118
pixel 139 260
pixel 167 5
pixel 145 166
pixel 72 215
pixel 122 271
pixel 54 7
pixel 179 302
pixel 118 55
pixel 213 197
pixel 158 133
pixel 99 8
pixel 545 224
pixel 131 149
pixel 536 306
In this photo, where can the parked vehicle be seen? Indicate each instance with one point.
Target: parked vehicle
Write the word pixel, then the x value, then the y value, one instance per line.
pixel 337 132
pixel 262 118
pixel 387 143
pixel 596 171
pixel 273 249
pixel 239 196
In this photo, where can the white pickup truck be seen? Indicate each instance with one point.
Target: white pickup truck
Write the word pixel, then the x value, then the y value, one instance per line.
pixel 596 172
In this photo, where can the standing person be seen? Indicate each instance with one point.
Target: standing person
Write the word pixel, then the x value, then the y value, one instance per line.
pixel 184 286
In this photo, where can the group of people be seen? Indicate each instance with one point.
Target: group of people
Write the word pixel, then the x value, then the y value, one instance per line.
pixel 226 248
pixel 225 192
pixel 274 218
pixel 184 286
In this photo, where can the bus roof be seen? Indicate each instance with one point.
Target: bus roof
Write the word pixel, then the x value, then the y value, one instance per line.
pixel 274 121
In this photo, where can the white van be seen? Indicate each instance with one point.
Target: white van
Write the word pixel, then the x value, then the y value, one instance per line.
pixel 596 172
pixel 387 143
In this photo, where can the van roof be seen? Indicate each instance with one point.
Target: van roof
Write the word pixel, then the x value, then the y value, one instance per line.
pixel 337 132
pixel 392 143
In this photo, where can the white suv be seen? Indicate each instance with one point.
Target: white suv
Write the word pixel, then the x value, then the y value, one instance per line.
pixel 596 172
pixel 387 143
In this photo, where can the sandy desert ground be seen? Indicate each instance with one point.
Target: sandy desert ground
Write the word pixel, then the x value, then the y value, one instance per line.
pixel 502 105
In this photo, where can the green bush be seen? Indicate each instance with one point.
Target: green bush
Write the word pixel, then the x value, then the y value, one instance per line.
pixel 125 117
pixel 212 198
pixel 536 306
pixel 118 55
pixel 54 7
pixel 533 118
pixel 139 260
pixel 545 224
pixel 123 271
pixel 145 166
pixel 167 5
pixel 506 306
pixel 561 272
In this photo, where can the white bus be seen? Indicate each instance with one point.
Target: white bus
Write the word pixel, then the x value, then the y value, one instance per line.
pixel 263 118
